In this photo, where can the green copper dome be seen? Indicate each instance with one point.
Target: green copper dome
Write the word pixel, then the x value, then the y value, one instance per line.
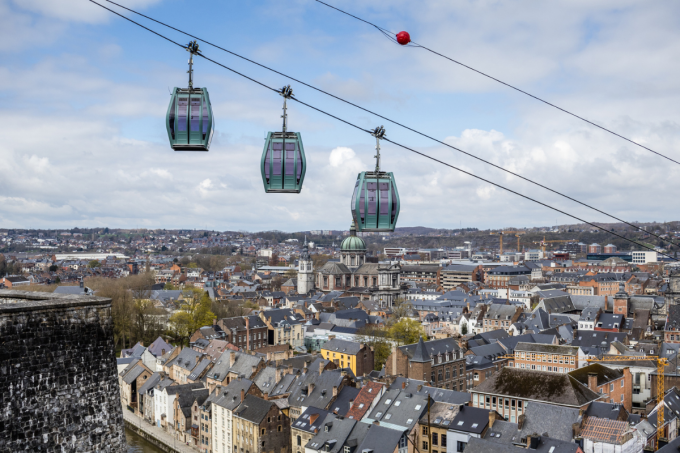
pixel 352 243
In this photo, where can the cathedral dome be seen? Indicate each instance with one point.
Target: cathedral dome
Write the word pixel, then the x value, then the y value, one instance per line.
pixel 353 243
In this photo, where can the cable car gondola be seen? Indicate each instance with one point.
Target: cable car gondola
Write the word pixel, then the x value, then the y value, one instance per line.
pixel 375 202
pixel 189 120
pixel 283 163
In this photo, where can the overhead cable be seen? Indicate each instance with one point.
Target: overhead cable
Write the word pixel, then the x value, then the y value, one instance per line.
pixel 393 142
pixel 386 32
pixel 394 121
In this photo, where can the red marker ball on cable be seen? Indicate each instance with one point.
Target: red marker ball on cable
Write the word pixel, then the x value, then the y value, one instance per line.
pixel 403 38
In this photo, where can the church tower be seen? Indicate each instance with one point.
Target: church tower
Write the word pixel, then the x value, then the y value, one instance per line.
pixel 305 277
pixel 353 249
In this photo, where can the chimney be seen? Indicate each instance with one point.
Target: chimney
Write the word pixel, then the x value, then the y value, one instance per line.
pixel 420 387
pixel 306 363
pixel 468 307
pixel 290 369
pixel 403 385
pixel 82 283
pixel 321 365
pixel 232 359
pixel 331 337
pixel 533 441
pixel 492 418
pixel 592 382
pixel 520 421
pixel 243 395
pixel 335 390
pixel 254 369
pixel 606 302
pixel 310 389
pixel 266 396
pixel 376 422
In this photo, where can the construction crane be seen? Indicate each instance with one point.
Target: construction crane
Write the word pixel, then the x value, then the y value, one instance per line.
pixel 544 242
pixel 661 362
pixel 501 233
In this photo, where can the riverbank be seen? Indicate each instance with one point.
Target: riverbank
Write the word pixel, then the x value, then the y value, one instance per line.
pixel 154 435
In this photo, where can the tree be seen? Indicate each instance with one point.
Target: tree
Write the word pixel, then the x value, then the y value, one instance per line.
pixel 375 338
pixel 290 273
pixel 274 260
pixel 277 282
pixel 170 287
pixel 401 308
pixel 180 326
pixel 406 331
pixel 94 263
pixel 54 268
pixel 464 329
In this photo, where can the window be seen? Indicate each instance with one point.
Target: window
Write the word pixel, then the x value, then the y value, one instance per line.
pixel 425 445
pixel 611 387
pixel 263 431
pixel 443 440
pixel 299 440
pixel 424 430
pixel 460 446
pixel 278 428
pixel 435 439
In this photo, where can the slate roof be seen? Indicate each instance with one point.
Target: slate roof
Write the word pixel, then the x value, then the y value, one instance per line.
pixel 597 342
pixel 186 398
pixel 187 359
pixel 511 342
pixel 504 312
pixel 560 389
pixel 424 350
pixel 266 379
pixel 159 347
pixel 134 372
pixel 341 405
pixel 253 409
pixel 344 346
pixel 379 439
pixel 398 409
pixel 589 314
pixel 502 432
pixel 612 411
pixel 136 351
pixel 322 394
pixel 332 434
pixel 477 445
pixel 609 321
pixel 470 420
pixel 243 366
pixel 230 396
pixel 150 383
pixel 282 316
pixel 304 421
pixel 673 318
pixel 422 388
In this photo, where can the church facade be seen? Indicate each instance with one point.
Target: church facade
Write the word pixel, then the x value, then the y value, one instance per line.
pixel 354 276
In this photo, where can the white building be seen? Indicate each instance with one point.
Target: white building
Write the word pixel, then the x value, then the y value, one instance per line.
pixel 644 257
pixel 533 255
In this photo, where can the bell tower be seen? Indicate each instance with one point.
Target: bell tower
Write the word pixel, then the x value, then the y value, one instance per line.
pixel 305 278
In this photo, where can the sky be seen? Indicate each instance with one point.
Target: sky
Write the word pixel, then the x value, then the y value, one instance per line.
pixel 84 95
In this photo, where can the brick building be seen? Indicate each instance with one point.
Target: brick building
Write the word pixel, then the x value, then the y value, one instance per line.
pixel 616 386
pixel 440 362
pixel 548 357
pixel 509 391
pixel 245 332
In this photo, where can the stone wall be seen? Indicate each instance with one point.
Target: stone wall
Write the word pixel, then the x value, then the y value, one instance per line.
pixel 59 388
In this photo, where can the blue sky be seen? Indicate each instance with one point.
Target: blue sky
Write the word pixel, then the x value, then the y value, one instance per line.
pixel 85 94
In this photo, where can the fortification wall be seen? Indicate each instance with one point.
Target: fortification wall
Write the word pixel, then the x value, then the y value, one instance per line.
pixel 58 384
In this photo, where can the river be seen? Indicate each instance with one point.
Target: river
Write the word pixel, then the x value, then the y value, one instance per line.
pixel 138 445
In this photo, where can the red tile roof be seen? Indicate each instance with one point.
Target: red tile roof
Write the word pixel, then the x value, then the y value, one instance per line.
pixel 364 399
